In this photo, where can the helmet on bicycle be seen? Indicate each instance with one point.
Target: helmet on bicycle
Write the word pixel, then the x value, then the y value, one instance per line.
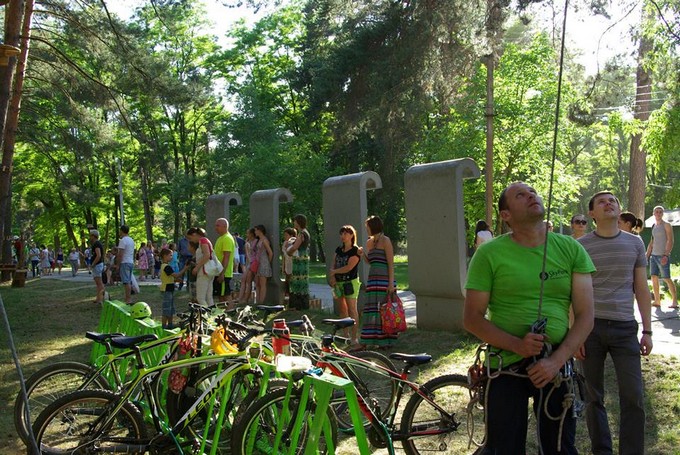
pixel 140 310
pixel 219 344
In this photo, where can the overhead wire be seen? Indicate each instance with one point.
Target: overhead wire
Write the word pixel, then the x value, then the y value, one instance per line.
pixel 543 275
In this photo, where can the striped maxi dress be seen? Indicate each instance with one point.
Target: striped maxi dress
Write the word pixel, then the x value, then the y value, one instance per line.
pixel 376 293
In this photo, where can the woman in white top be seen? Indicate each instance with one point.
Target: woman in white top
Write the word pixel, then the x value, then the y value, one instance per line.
pixel 482 233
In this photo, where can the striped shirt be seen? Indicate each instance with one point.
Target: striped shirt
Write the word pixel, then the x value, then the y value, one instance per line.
pixel 616 259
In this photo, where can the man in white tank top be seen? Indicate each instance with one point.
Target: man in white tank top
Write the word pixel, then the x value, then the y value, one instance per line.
pixel 659 256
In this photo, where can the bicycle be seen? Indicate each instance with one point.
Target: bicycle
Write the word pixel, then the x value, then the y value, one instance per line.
pixel 55 380
pixel 98 420
pixel 434 418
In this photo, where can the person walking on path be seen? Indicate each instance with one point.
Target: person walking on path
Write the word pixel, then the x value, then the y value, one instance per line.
pixel 506 279
pixel 74 260
pixel 59 259
pixel 299 279
pixel 97 265
pixel 45 265
pixel 34 257
pixel 380 255
pixel 125 261
pixel 620 279
pixel 659 257
pixel 224 252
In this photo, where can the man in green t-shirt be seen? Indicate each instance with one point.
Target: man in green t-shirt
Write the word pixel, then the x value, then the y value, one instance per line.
pixel 502 304
pixel 224 251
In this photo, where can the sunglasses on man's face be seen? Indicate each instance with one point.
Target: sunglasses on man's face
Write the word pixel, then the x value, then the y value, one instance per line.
pixel 581 222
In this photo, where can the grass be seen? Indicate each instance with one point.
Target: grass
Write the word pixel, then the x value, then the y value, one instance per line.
pixel 317 272
pixel 49 318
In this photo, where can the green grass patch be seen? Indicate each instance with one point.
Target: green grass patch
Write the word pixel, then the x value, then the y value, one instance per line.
pixel 317 272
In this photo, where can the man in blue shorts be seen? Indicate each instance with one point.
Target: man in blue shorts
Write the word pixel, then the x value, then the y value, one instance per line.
pixel 126 261
pixel 659 257
pixel 502 306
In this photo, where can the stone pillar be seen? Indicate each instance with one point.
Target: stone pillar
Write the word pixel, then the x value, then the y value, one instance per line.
pixel 264 210
pixel 344 202
pixel 437 247
pixel 217 206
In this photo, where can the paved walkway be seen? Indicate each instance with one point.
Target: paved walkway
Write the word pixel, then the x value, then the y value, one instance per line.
pixel 665 321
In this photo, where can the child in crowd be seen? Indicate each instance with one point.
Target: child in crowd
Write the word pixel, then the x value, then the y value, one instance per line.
pixel 168 277
pixel 289 236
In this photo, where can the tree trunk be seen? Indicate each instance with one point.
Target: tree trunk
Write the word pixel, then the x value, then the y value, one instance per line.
pixel 148 219
pixel 9 113
pixel 67 220
pixel 638 157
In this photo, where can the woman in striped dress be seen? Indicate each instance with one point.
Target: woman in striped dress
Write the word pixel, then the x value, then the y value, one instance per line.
pixel 380 255
pixel 299 280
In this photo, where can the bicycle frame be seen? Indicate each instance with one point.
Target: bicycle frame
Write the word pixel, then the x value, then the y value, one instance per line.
pixel 220 387
pixel 336 361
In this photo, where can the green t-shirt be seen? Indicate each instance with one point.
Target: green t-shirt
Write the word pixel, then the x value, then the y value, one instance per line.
pixel 226 243
pixel 511 274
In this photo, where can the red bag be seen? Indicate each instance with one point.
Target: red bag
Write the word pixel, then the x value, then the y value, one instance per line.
pixel 392 315
pixel 179 376
pixel 254 265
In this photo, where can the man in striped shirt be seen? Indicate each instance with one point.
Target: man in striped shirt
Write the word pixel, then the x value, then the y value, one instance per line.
pixel 620 279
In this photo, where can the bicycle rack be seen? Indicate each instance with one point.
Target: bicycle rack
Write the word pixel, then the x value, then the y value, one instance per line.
pixel 322 387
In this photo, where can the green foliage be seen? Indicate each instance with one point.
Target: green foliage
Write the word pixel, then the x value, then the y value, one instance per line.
pixel 312 90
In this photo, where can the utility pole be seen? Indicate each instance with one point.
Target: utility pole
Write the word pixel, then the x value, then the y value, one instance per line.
pixel 489 114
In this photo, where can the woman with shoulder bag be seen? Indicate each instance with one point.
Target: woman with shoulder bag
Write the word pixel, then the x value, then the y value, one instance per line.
pixel 344 279
pixel 204 282
pixel 380 255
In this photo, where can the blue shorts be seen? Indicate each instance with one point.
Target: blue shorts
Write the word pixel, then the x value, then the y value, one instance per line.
pixel 656 268
pixel 126 273
pixel 97 270
pixel 168 304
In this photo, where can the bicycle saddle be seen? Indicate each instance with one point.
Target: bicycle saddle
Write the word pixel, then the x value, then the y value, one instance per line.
pixel 413 359
pixel 339 323
pixel 270 308
pixel 101 337
pixel 128 342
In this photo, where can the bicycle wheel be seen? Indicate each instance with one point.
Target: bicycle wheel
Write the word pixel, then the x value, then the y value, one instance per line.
pixel 49 383
pixel 374 387
pixel 70 425
pixel 244 390
pixel 432 431
pixel 256 431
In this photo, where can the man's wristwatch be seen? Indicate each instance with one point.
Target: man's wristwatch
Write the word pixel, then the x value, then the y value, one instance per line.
pixel 647 332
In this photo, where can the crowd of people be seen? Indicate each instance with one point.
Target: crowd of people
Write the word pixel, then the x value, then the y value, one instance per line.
pixel 541 316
